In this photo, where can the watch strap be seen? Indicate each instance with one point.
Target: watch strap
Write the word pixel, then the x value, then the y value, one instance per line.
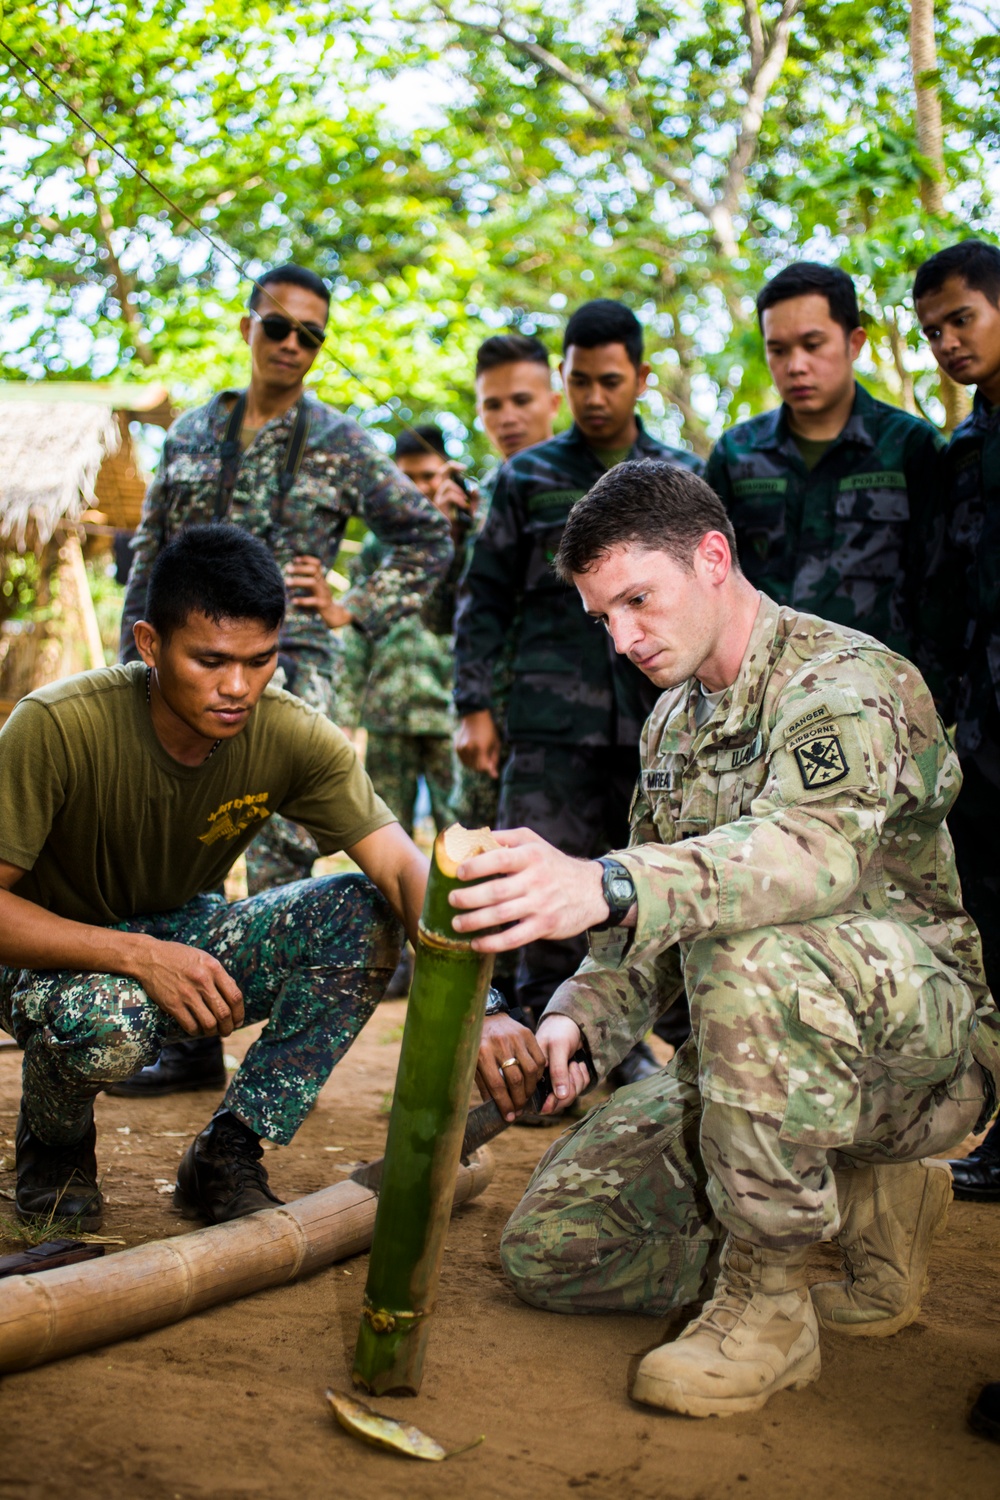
pixel 613 870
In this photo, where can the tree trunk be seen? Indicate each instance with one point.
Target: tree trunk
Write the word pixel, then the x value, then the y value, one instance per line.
pixel 930 140
pixel 923 61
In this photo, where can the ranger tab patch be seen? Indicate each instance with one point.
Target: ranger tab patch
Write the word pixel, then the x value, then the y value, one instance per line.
pixel 821 759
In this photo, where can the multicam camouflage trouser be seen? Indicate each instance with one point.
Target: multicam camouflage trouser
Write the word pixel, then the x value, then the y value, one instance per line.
pixel 284 851
pixel 814 1047
pixel 312 959
pixel 395 763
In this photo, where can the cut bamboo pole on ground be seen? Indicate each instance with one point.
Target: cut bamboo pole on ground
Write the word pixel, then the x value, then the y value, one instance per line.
pixel 437 1064
pixel 52 1314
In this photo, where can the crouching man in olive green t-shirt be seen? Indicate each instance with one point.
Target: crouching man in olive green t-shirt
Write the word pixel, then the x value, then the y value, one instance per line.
pixel 125 796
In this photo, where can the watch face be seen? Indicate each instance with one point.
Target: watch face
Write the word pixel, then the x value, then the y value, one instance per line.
pixel 622 888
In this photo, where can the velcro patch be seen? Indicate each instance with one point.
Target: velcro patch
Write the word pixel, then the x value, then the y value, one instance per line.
pixel 808 721
pixel 820 757
pixel 743 755
pixel 879 479
pixel 763 486
pixel 655 781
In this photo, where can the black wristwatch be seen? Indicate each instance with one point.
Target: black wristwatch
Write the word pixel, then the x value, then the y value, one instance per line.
pixel 496 1005
pixel 618 890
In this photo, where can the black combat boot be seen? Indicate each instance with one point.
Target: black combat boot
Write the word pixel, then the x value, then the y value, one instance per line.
pixel 181 1068
pixel 640 1063
pixel 977 1177
pixel 221 1175
pixel 57 1184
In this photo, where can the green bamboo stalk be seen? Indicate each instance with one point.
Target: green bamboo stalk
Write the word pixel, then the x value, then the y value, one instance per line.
pixel 437 1064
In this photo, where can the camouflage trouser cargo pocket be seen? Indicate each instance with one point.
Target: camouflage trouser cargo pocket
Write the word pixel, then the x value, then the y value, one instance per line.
pixel 839 1035
pixel 616 1218
pixel 312 959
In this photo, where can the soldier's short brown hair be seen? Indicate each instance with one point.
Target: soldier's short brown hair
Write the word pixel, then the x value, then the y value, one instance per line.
pixel 650 503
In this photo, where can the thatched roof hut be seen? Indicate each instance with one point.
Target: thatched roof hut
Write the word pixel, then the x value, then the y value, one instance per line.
pixel 65 448
pixel 67 468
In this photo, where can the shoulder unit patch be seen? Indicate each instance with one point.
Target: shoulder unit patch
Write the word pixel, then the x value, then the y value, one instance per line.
pixel 820 758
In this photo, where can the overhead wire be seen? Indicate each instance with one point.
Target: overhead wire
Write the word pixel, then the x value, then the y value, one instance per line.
pixel 219 249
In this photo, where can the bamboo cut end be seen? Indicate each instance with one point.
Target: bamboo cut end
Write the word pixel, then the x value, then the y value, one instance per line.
pixel 457 844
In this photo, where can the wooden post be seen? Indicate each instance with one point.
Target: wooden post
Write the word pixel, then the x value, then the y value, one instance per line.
pixel 437 1063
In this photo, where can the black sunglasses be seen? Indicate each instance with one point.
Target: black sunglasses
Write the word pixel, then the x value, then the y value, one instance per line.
pixel 276 328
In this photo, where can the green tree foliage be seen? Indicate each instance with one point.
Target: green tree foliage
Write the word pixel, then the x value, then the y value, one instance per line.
pixel 459 167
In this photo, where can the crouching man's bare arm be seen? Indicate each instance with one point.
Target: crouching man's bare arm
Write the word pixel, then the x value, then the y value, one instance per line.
pixel 186 983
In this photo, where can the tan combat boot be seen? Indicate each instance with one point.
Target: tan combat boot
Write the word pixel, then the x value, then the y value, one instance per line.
pixel 756 1336
pixel 889 1216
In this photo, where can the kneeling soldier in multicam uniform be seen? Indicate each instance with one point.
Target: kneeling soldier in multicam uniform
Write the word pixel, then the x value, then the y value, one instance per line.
pixel 127 794
pixel 789 867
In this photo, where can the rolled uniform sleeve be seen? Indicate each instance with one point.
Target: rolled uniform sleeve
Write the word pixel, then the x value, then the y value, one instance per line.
pixel 416 538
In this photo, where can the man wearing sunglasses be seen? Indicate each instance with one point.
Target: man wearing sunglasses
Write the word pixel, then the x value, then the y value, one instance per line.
pixel 282 465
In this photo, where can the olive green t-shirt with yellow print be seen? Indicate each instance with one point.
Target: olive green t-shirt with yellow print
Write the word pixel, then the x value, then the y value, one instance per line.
pixel 109 826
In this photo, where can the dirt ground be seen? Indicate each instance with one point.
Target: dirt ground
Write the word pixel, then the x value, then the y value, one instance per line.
pixel 229 1404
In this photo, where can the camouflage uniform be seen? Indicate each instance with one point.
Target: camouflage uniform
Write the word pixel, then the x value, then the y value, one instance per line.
pixel 575 708
pixel 312 959
pixel 795 877
pixel 341 474
pixel 844 540
pixel 400 688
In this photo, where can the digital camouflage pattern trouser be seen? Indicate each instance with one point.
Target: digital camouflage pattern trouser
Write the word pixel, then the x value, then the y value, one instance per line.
pixel 814 1047
pixel 395 763
pixel 312 959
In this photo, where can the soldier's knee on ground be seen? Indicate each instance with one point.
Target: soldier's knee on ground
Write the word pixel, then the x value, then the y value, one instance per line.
pixel 615 1218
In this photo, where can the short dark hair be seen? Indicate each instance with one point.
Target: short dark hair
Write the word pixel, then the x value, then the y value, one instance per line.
pixel 655 504
pixel 510 349
pixel 808 278
pixel 289 275
pixel 220 571
pixel 417 440
pixel 976 262
pixel 605 322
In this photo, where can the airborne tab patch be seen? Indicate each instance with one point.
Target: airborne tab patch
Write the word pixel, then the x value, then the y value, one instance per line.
pixel 821 758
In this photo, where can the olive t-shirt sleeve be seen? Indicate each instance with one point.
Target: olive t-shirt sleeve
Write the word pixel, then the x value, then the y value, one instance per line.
pixel 33 777
pixel 332 796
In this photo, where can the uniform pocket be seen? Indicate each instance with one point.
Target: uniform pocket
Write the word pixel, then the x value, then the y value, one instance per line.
pixel 824 1097
pixel 871 532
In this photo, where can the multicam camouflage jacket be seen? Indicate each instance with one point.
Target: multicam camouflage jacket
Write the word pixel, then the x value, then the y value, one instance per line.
pixel 341 474
pixel 846 539
pixel 819 786
pixel 401 683
pixel 961 614
pixel 568 685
